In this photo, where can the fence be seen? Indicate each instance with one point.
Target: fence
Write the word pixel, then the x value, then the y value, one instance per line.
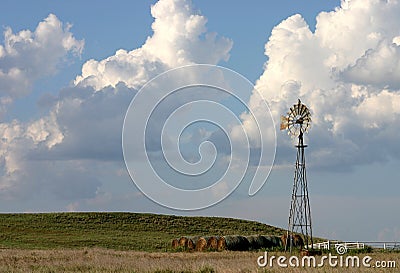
pixel 384 245
pixel 357 245
pixel 335 244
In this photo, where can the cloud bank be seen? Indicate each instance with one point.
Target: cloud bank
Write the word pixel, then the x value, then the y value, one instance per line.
pixel 60 153
pixel 347 72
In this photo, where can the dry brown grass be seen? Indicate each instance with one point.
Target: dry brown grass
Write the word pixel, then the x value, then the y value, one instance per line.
pixel 103 260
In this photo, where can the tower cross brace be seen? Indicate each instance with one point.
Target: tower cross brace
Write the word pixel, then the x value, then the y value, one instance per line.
pixel 300 211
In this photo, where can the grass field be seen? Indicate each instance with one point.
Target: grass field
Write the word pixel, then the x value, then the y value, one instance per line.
pixel 118 231
pixel 129 242
pixel 106 260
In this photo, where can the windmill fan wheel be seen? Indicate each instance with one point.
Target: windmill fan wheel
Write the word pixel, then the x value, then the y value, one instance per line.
pixel 297 121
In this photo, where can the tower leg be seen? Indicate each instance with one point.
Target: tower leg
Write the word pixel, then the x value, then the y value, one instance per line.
pixel 300 211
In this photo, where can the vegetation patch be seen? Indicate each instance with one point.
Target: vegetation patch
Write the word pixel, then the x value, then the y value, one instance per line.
pixel 115 230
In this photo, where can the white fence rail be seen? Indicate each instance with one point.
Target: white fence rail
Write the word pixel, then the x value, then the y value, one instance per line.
pixel 357 245
pixel 384 245
pixel 335 244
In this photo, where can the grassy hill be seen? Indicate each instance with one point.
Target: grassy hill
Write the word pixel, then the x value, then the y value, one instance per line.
pixel 115 230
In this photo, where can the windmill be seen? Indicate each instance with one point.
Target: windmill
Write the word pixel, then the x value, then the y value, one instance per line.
pixel 297 122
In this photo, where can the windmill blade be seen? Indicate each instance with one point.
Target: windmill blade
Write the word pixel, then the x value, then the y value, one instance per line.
pixel 307 124
pixel 292 112
pixel 295 109
pixel 307 117
pixel 298 107
pixel 303 110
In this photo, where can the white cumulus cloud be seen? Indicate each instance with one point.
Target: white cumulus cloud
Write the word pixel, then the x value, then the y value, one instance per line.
pixel 180 37
pixel 58 152
pixel 27 56
pixel 347 72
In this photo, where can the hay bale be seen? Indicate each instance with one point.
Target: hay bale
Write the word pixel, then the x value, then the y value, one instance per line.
pixel 233 242
pixel 296 240
pixel 212 243
pixel 189 244
pixel 236 242
pixel 285 240
pixel 276 241
pixel 258 242
pixel 252 242
pixel 272 241
pixel 201 244
pixel 175 243
pixel 269 242
pixel 261 241
pixel 221 244
pixel 182 241
pixel 194 238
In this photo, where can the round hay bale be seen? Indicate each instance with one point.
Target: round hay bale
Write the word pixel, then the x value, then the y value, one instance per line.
pixel 212 243
pixel 201 244
pixel 194 238
pixel 189 244
pixel 175 243
pixel 221 244
pixel 257 241
pixel 252 242
pixel 267 242
pixel 236 242
pixel 285 241
pixel 296 240
pixel 182 241
pixel 276 240
pixel 273 241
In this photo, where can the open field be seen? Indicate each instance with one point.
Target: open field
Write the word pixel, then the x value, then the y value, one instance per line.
pixel 115 230
pixel 106 260
pixel 130 242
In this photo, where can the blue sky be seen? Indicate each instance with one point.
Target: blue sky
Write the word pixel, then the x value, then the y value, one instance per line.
pixel 62 119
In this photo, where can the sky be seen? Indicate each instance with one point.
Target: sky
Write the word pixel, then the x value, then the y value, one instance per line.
pixel 69 71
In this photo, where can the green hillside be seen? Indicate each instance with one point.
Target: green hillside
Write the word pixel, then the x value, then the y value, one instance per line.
pixel 115 230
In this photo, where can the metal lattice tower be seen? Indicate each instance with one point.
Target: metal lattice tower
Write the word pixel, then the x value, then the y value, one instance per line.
pixel 297 123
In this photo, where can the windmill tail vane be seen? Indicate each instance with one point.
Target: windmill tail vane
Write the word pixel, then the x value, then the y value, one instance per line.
pixel 284 123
